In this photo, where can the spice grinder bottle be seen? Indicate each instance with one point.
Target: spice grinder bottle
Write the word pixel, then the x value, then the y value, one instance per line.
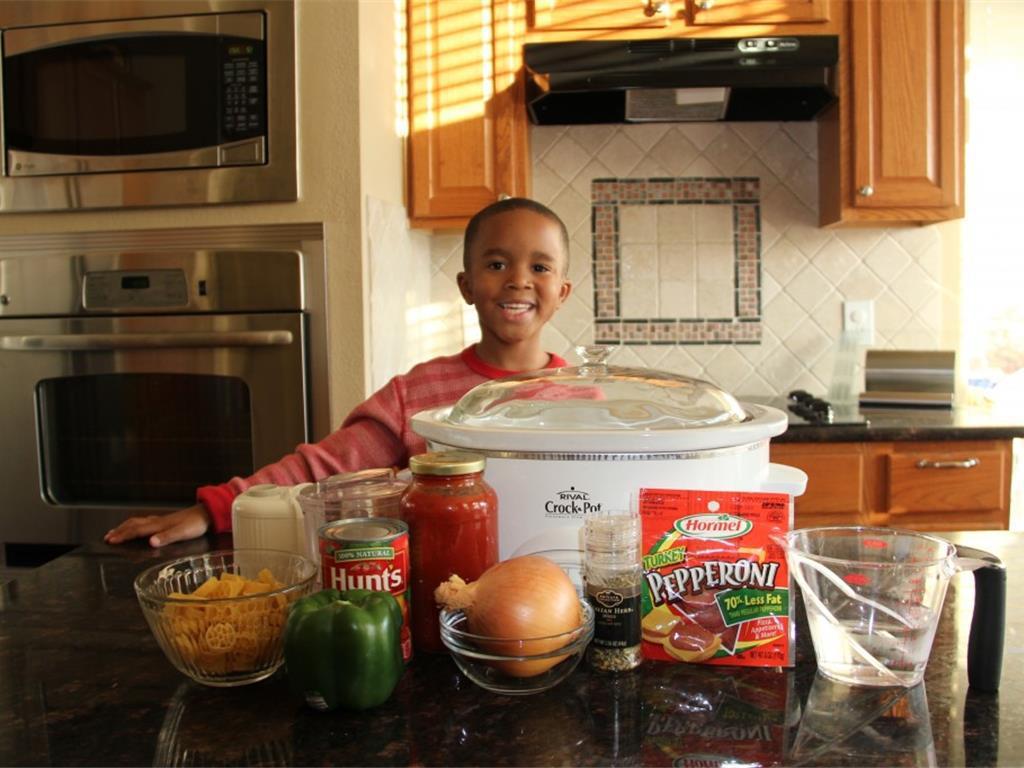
pixel 612 578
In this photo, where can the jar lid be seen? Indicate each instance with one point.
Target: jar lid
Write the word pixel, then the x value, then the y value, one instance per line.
pixel 446 463
pixel 597 396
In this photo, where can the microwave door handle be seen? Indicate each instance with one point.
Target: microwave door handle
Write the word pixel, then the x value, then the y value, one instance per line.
pixel 91 342
pixel 245 152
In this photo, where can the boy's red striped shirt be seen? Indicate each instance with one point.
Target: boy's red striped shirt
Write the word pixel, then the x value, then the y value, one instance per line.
pixel 376 434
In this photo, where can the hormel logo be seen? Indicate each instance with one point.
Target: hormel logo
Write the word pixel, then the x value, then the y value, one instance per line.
pixel 713 526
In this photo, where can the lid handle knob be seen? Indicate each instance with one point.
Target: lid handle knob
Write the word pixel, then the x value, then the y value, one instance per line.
pixel 595 359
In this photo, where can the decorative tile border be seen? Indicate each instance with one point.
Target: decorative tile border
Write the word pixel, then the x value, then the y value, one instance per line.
pixel 743 194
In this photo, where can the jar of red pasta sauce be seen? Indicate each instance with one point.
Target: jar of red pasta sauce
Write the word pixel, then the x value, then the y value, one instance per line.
pixel 453 529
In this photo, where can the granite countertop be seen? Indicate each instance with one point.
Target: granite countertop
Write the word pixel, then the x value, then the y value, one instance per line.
pixel 82 682
pixel 885 423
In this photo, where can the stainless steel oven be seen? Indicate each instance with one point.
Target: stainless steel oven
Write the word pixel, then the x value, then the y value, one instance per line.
pixel 135 367
pixel 122 103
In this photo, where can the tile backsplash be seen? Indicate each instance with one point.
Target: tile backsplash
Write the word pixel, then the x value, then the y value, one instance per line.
pixel 716 267
pixel 676 260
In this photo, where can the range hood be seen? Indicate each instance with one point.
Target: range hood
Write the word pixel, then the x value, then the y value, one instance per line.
pixel 680 79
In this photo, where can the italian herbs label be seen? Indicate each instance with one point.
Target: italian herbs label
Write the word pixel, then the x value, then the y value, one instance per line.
pixel 715 587
pixel 616 616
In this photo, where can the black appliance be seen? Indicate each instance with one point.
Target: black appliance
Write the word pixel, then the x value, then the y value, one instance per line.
pixel 683 79
pixel 807 410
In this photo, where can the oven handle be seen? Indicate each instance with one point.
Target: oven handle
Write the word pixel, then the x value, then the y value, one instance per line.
pixel 90 342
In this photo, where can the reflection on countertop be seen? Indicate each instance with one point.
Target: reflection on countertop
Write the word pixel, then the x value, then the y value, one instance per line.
pixel 82 681
pixel 846 725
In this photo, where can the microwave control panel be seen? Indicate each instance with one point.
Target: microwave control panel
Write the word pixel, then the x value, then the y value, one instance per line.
pixel 146 289
pixel 244 88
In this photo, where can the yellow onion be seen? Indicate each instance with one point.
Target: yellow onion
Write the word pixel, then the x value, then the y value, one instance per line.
pixel 523 607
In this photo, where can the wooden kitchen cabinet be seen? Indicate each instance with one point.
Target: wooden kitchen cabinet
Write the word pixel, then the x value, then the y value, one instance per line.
pixel 467 143
pixel 555 15
pixel 758 11
pixel 892 149
pixel 549 20
pixel 927 486
pixel 842 499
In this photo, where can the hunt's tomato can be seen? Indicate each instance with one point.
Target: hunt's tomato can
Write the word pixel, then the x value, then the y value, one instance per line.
pixel 369 553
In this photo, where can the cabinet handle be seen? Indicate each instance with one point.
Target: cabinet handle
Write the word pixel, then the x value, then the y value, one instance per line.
pixel 706 5
pixel 655 7
pixel 866 191
pixel 965 464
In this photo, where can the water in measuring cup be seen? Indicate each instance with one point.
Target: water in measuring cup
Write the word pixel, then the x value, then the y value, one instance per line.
pixel 902 649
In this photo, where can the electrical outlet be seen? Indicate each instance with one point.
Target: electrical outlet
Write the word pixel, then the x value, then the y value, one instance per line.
pixel 859 320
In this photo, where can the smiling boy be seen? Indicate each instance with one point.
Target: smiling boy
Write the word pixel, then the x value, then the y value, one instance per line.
pixel 515 263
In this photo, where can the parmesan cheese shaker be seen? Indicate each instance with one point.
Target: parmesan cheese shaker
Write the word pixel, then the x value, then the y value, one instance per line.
pixel 263 517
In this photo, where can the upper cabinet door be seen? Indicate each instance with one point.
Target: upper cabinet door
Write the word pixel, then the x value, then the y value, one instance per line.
pixel 613 19
pixel 757 11
pixel 467 126
pixel 907 85
pixel 557 15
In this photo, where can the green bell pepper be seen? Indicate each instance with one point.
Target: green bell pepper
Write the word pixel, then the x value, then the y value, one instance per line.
pixel 343 648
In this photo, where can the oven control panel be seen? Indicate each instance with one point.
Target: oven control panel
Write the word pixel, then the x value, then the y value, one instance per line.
pixel 143 289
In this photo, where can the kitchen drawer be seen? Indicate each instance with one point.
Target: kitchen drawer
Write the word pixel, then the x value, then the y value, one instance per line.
pixel 880 483
pixel 944 482
pixel 835 482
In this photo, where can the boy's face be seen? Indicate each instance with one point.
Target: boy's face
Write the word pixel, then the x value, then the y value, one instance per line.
pixel 516 276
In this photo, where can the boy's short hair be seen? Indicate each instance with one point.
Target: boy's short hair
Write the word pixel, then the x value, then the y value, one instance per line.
pixel 503 206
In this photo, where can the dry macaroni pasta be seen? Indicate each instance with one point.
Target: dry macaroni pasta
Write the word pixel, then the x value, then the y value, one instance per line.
pixel 219 638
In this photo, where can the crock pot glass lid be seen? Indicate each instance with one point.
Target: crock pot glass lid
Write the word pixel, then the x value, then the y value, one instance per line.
pixel 596 396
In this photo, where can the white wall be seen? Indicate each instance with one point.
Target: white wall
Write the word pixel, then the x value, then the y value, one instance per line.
pixel 396 260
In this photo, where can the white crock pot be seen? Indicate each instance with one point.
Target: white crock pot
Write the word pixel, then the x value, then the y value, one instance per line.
pixel 563 441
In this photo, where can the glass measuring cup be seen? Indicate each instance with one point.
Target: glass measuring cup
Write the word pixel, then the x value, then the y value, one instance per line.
pixel 873 598
pixel 367 493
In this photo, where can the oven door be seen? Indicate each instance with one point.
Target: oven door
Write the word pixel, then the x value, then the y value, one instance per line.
pixel 175 92
pixel 106 416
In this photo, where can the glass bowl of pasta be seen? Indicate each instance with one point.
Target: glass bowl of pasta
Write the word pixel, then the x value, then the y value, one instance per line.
pixel 220 617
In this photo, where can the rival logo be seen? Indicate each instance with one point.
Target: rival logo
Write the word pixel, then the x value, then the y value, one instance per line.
pixel 713 526
pixel 570 503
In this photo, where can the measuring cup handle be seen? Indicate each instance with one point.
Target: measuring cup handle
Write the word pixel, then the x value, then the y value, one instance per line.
pixel 988 625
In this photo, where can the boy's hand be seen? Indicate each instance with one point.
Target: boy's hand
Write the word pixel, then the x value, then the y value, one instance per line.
pixel 184 524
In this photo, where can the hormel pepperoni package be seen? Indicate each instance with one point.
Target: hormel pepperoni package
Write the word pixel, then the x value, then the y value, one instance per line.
pixel 716 587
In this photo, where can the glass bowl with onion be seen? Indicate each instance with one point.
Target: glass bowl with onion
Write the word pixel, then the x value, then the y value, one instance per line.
pixel 219 617
pixel 523 627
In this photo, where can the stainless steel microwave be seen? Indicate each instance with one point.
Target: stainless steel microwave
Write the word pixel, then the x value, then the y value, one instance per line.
pixel 113 104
